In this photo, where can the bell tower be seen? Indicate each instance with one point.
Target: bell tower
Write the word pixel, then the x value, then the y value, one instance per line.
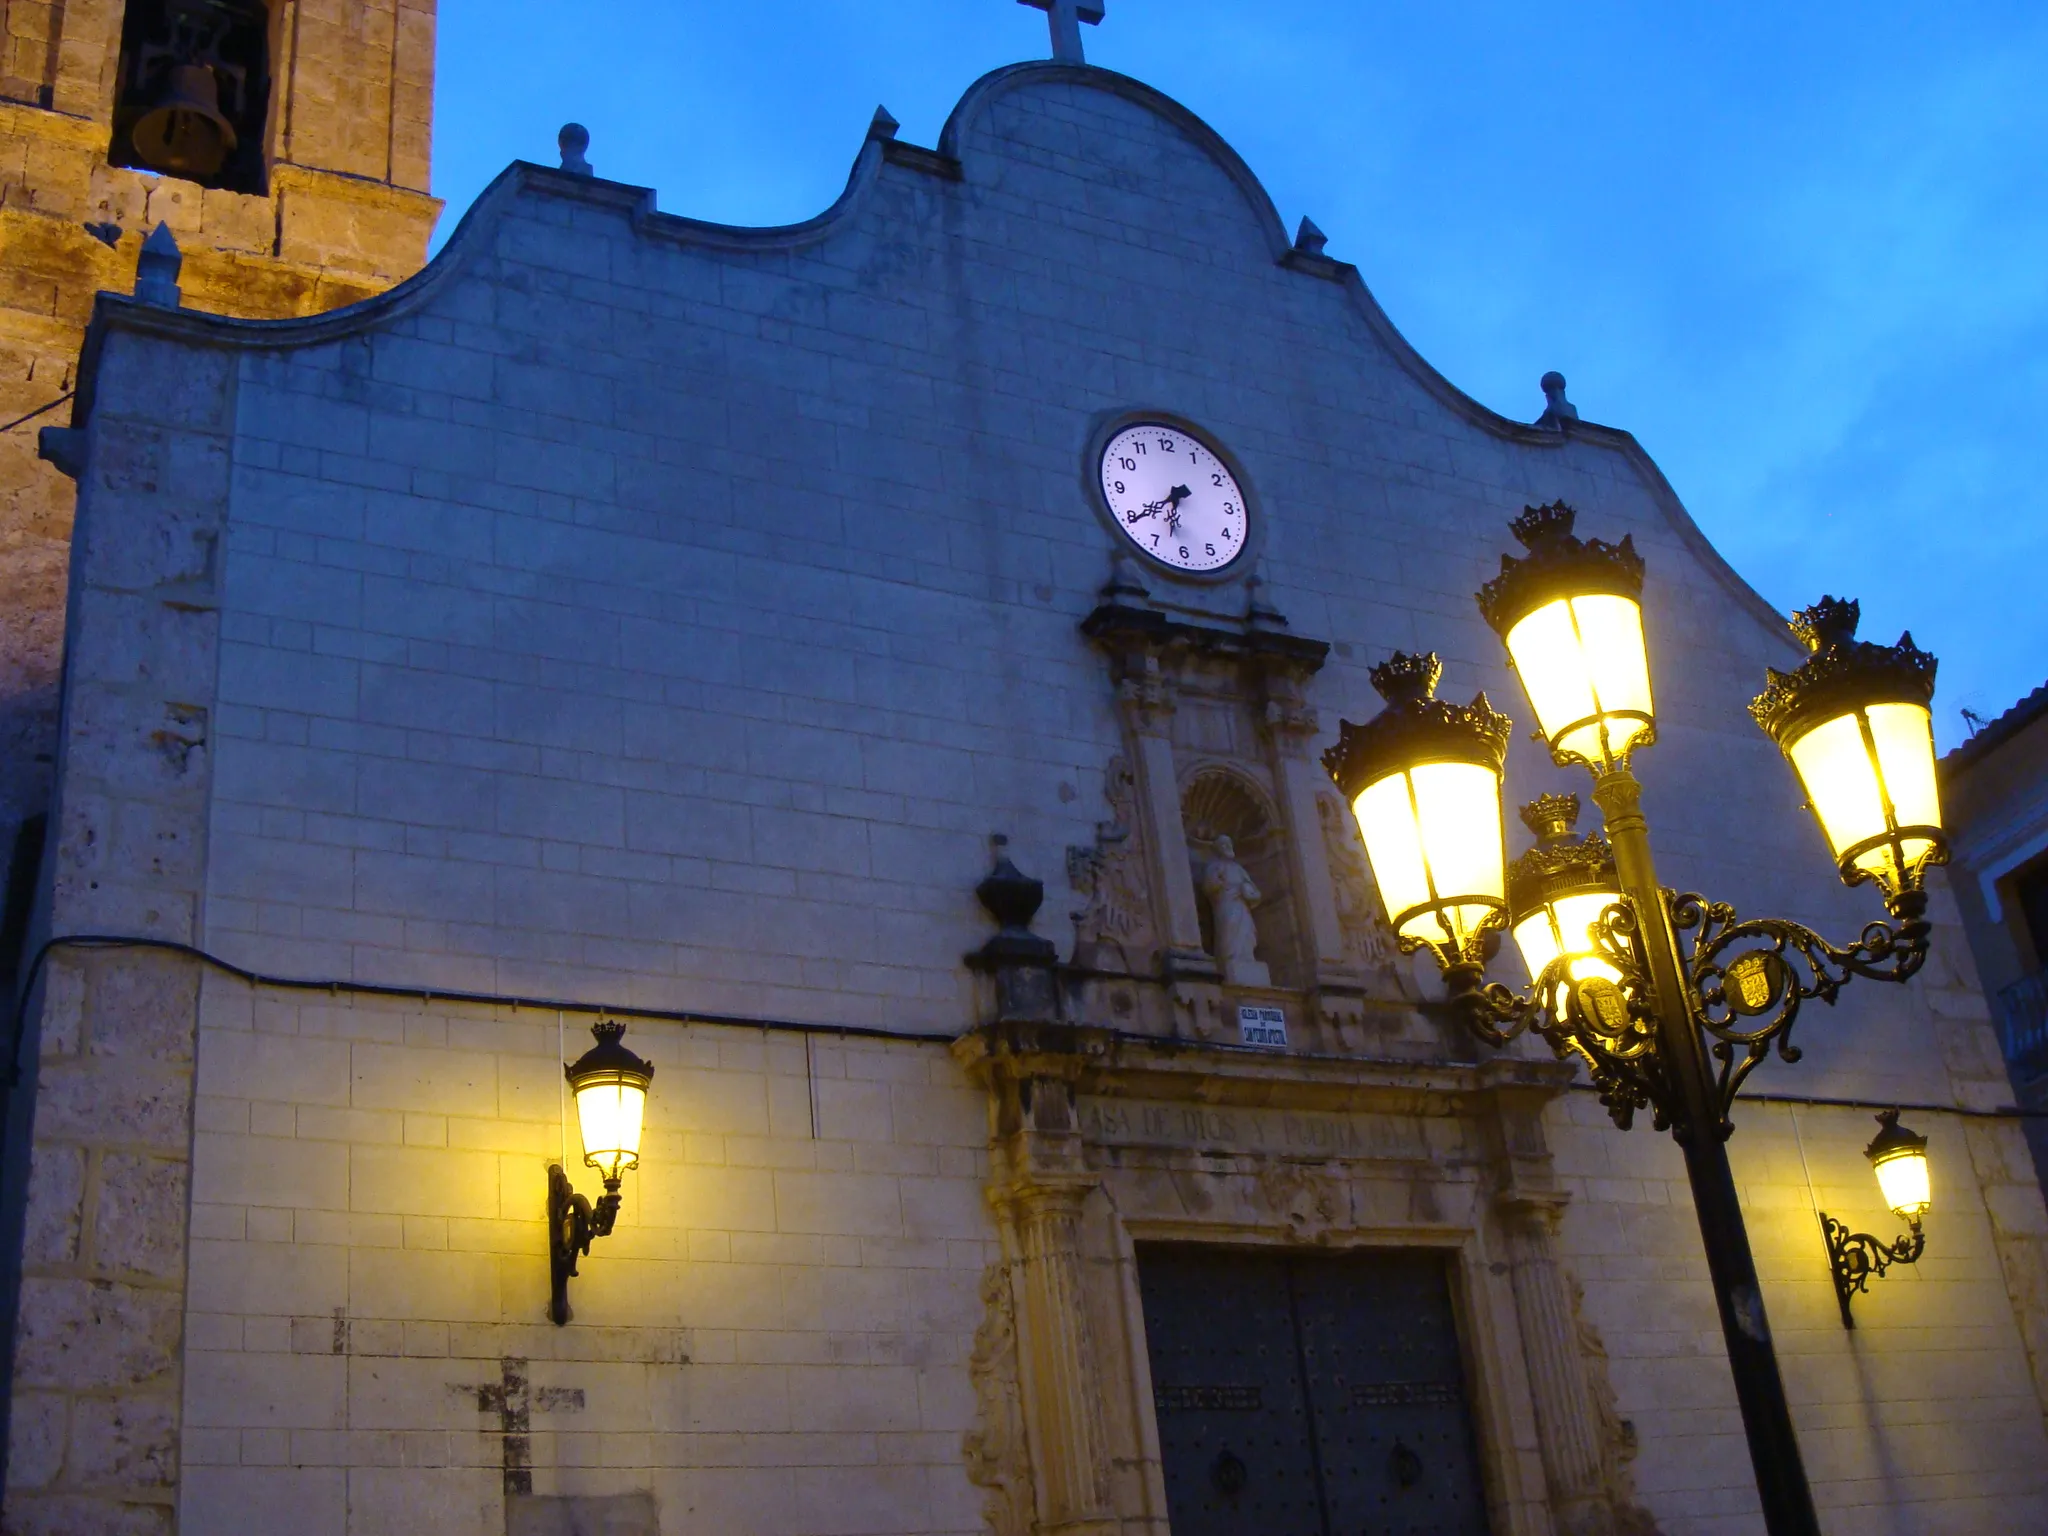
pixel 286 144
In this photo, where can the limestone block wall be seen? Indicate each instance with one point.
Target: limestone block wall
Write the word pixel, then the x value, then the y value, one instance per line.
pixel 346 215
pixel 775 1338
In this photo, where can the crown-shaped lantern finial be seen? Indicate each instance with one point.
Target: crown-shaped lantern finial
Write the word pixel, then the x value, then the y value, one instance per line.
pixel 1416 726
pixel 1551 817
pixel 1828 623
pixel 1405 678
pixel 1542 528
pixel 1558 564
pixel 1840 672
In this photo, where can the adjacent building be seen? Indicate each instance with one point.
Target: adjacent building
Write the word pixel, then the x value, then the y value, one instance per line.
pixel 1995 792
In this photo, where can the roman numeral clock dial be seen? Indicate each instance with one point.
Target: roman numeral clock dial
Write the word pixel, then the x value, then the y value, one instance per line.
pixel 1173 497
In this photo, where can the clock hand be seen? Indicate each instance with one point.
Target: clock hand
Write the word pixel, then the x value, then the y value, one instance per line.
pixel 1174 498
pixel 1150 509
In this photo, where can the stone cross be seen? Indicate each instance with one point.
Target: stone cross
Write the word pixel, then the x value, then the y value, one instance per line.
pixel 1064 17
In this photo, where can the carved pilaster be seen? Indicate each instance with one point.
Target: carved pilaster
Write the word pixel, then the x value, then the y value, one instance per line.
pixel 1057 1359
pixel 1290 727
pixel 1146 696
pixel 1568 1426
pixel 1576 1438
pixel 1041 1182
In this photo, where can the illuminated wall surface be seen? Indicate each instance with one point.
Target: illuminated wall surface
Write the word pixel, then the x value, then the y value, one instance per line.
pixel 629 611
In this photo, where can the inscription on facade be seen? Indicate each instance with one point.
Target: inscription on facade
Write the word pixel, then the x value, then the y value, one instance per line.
pixel 1285 1133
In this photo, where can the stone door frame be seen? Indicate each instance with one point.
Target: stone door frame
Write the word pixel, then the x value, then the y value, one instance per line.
pixel 1103 1140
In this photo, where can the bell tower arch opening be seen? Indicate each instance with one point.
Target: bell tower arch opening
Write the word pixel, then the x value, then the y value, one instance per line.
pixel 192 91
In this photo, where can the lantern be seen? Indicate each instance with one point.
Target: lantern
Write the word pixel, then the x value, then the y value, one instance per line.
pixel 1423 778
pixel 1558 889
pixel 1900 1158
pixel 610 1084
pixel 1571 614
pixel 1854 720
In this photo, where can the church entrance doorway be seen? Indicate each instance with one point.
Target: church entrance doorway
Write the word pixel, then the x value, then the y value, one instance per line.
pixel 1309 1394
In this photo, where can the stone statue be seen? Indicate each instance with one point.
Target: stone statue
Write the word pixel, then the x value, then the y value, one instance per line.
pixel 1232 895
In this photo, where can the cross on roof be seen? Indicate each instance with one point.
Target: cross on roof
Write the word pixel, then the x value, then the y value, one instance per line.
pixel 1064 17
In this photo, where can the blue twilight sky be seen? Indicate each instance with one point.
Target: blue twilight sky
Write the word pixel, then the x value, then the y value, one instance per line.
pixel 1800 250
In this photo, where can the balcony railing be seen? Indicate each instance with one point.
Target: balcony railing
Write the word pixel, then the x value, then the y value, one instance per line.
pixel 2023 1025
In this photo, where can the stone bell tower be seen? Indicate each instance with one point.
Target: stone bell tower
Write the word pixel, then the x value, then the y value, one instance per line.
pixel 285 143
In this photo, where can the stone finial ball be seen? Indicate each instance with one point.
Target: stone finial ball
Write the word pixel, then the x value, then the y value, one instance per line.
pixel 574 139
pixel 1549 383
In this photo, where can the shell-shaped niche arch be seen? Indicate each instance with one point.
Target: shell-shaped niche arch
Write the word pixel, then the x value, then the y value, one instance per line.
pixel 1218 802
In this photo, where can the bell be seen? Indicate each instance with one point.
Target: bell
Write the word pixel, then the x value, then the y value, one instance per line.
pixel 184 133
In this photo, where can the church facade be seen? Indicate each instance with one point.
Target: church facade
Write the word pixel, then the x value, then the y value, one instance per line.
pixel 741 635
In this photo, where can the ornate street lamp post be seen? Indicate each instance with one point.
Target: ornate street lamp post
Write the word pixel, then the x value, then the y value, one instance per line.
pixel 1668 998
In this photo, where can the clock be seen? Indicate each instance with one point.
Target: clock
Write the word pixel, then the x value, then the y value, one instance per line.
pixel 1174 497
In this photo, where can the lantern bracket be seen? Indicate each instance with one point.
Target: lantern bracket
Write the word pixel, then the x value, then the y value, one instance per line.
pixel 573 1225
pixel 1606 1025
pixel 1854 1258
pixel 1748 976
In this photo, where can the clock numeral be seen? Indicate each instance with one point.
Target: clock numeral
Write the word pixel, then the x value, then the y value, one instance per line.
pixel 1166 445
pixel 1119 487
pixel 1230 509
pixel 1155 541
pixel 1138 448
pixel 1216 480
pixel 1224 534
pixel 1130 464
pixel 1183 551
pixel 1208 549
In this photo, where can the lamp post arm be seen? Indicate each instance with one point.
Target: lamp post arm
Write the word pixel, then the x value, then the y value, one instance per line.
pixel 1691 1108
pixel 1749 976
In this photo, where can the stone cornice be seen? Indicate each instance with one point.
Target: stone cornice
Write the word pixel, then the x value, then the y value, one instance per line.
pixel 1123 627
pixel 285 176
pixel 1121 1065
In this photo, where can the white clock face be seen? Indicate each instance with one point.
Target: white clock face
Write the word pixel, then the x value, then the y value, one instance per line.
pixel 1173 498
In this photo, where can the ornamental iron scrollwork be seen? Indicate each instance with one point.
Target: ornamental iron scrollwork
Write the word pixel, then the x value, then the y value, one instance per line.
pixel 1855 1258
pixel 1750 975
pixel 1745 978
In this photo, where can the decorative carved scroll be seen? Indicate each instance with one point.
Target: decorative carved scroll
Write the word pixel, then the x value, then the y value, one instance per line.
pixel 1368 941
pixel 997 1460
pixel 1618 1435
pixel 1114 931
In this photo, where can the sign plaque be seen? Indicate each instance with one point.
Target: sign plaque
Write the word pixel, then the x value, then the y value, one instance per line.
pixel 1262 1026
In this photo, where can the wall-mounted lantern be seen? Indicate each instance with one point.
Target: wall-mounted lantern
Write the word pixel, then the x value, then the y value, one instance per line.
pixel 1900 1158
pixel 610 1084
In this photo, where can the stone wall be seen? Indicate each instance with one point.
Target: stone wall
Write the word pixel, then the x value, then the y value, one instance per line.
pixel 774 1339
pixel 100 1324
pixel 633 609
pixel 346 215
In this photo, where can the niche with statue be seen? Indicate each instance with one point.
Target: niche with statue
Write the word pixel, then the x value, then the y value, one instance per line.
pixel 1238 852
